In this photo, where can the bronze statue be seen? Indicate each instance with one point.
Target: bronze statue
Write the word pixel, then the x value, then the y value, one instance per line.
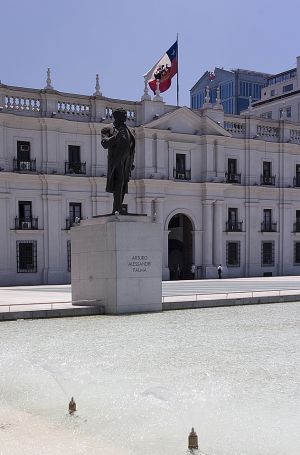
pixel 120 142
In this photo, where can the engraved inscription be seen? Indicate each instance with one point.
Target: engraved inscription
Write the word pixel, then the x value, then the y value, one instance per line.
pixel 139 263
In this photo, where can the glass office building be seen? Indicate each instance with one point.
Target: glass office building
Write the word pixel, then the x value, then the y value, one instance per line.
pixel 236 86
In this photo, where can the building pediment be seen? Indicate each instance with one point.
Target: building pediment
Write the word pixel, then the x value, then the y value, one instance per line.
pixel 186 121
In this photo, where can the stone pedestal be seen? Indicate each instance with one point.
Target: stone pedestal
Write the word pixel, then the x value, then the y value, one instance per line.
pixel 117 261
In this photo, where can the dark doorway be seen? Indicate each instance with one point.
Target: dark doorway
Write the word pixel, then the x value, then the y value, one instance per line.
pixel 180 247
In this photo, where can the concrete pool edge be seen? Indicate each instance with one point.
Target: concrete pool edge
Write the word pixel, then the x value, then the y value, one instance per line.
pixel 194 304
pixel 54 313
pixel 166 306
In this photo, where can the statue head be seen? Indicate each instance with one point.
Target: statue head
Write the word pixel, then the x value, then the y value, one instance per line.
pixel 120 115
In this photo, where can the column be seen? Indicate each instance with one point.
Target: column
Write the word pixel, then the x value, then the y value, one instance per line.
pixel 218 233
pixel 207 232
pixel 165 259
pixel 252 237
pixel 147 206
pixel 158 210
pixel 197 249
pixel 7 242
pixel 54 272
pixel 284 251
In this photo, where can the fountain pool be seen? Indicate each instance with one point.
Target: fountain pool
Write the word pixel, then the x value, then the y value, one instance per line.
pixel 141 382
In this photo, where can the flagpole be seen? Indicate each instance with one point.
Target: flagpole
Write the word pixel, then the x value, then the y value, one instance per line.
pixel 177 72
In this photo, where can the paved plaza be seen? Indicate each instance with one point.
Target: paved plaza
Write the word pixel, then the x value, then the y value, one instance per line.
pixel 22 298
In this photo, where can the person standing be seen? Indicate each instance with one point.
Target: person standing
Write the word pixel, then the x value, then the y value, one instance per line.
pixel 178 272
pixel 220 270
pixel 193 271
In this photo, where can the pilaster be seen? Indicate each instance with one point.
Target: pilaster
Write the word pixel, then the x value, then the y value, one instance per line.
pixel 218 229
pixel 207 212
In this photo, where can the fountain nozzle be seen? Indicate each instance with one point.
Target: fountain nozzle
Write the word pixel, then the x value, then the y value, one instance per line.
pixel 193 440
pixel 72 406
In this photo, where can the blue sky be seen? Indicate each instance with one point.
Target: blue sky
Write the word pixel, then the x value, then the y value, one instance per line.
pixel 121 40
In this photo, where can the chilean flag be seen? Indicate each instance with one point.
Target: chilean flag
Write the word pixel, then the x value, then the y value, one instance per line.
pixel 164 70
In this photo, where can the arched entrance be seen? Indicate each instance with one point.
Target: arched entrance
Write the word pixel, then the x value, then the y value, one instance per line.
pixel 180 247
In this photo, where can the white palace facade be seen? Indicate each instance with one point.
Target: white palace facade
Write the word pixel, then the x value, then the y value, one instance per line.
pixel 225 189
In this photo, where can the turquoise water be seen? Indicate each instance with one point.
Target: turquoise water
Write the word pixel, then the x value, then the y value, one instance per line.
pixel 141 382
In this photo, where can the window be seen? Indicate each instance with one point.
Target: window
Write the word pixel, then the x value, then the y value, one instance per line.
pixel 288 112
pixel 297 253
pixel 268 225
pixel 226 90
pixel 267 178
pixel 180 171
pixel 287 88
pixel 267 168
pixel 267 216
pixel 232 166
pixel 272 93
pixel 232 215
pixel 246 89
pixel 180 162
pixel 74 211
pixel 267 253
pixel 69 255
pixel 23 151
pixel 26 256
pixel 266 114
pixel 297 223
pixel 23 161
pixel 25 212
pixel 231 175
pixel 213 96
pixel 228 106
pixel 233 225
pixel 256 91
pixel 74 154
pixel 233 254
pixel 74 165
pixel 297 179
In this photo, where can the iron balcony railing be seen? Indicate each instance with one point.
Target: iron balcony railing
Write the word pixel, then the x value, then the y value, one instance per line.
pixel 75 168
pixel 296 181
pixel 26 223
pixel 267 179
pixel 181 175
pixel 25 166
pixel 297 226
pixel 268 226
pixel 234 226
pixel 232 178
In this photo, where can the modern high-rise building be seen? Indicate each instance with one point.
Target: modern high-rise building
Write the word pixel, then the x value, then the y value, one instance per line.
pixel 236 86
pixel 280 99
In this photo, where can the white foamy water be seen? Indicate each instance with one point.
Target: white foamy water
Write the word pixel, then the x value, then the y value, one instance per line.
pixel 141 382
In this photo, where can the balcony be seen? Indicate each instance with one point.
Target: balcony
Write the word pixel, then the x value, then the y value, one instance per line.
pixel 232 178
pixel 181 175
pixel 75 168
pixel 267 180
pixel 24 166
pixel 234 226
pixel 268 227
pixel 297 226
pixel 26 224
pixel 296 181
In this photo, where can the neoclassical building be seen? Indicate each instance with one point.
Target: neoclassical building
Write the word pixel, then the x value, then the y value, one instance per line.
pixel 225 189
